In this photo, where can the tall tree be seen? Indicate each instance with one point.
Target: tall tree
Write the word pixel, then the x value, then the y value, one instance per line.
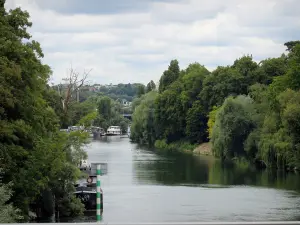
pixel 105 107
pixel 32 150
pixel 74 83
pixel 140 91
pixel 169 76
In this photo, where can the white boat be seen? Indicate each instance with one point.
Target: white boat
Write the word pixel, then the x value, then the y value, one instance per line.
pixel 84 165
pixel 113 130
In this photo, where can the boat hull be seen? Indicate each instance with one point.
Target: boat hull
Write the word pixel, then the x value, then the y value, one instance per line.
pixel 107 134
pixel 88 197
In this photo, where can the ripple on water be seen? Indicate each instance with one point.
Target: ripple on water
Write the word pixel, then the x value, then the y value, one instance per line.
pixel 144 187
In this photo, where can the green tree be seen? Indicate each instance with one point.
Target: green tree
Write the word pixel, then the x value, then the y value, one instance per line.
pixel 196 121
pixel 8 214
pixel 143 129
pixel 223 82
pixel 140 91
pixel 169 76
pixel 104 107
pixel 150 86
pixel 32 152
pixel 234 122
pixel 291 44
pixel 211 120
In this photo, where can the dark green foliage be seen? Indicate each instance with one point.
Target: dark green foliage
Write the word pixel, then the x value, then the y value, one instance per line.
pixel 234 121
pixel 140 90
pixel 267 127
pixel 254 109
pixel 150 86
pixel 33 153
pixel 143 128
pixel 104 107
pixel 121 91
pixel 169 76
pixel 196 122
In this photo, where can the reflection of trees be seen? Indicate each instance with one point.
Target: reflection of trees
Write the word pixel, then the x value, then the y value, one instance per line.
pixel 226 174
pixel 108 139
pixel 175 169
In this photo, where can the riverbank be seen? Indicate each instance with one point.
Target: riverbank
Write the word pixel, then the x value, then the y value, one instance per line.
pixel 185 147
pixel 203 149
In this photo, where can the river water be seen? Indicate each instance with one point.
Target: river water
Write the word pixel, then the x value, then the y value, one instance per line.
pixel 143 186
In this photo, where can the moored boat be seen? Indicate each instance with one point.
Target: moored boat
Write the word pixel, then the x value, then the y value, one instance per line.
pixel 113 131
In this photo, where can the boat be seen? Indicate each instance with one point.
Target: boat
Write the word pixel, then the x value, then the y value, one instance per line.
pixel 86 192
pixel 84 165
pixel 97 131
pixel 113 131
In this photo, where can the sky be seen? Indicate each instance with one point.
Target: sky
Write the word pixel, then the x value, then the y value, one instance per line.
pixel 126 41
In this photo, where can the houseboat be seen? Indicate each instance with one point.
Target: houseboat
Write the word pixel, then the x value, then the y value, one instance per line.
pixel 97 131
pixel 113 131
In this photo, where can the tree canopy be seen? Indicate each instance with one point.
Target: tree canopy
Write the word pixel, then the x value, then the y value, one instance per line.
pixel 246 110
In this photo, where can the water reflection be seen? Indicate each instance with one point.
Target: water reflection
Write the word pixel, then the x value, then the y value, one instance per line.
pixel 145 186
pixel 189 170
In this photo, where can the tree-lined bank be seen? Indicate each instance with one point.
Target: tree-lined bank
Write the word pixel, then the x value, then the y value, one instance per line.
pixel 38 163
pixel 248 111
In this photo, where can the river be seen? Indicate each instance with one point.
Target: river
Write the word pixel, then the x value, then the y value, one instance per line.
pixel 142 186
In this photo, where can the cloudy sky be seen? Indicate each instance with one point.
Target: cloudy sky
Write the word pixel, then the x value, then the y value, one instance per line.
pixel 134 40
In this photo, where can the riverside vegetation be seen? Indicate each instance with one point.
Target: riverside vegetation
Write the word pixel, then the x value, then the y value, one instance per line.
pixel 39 162
pixel 248 111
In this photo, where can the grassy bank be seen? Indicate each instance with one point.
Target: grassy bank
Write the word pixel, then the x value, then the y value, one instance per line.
pixel 184 146
pixel 179 146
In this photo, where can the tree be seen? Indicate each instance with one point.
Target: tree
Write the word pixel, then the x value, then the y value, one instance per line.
pixel 234 122
pixel 291 44
pixel 32 150
pixel 140 91
pixel 223 82
pixel 88 119
pixel 211 120
pixel 169 76
pixel 74 83
pixel 150 86
pixel 196 121
pixel 270 68
pixel 104 107
pixel 8 214
pixel 143 128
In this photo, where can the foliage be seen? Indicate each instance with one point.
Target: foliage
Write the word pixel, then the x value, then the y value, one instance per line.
pixel 249 111
pixel 268 126
pixel 196 121
pixel 33 153
pixel 182 146
pixel 150 86
pixel 8 214
pixel 169 76
pixel 143 128
pixel 88 119
pixel 121 91
pixel 233 123
pixel 211 121
pixel 104 106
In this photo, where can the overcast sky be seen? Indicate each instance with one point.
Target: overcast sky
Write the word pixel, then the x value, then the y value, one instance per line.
pixel 133 40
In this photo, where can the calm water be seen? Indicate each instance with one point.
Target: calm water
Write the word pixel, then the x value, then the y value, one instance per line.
pixel 142 186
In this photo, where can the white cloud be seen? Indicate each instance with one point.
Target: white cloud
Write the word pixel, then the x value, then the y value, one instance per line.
pixel 137 46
